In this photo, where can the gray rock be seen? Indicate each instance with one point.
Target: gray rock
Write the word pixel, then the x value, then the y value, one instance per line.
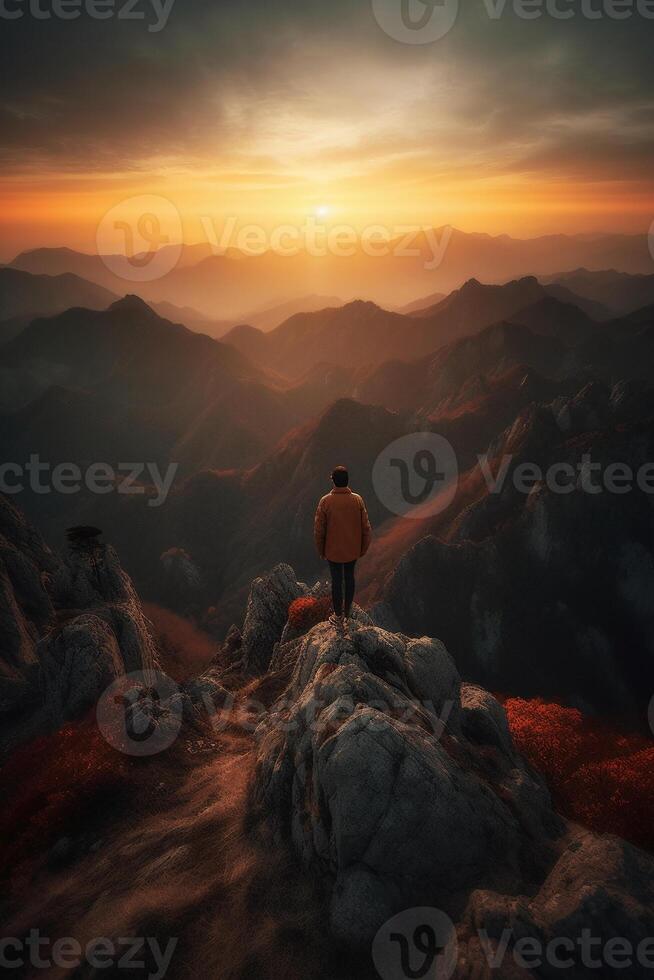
pixel 27 569
pixel 599 887
pixel 266 615
pixel 394 812
pixel 356 769
pixel 484 719
pixel 77 664
pixel 206 695
pixel 70 627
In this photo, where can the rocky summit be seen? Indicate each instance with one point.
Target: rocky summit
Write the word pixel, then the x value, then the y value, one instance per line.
pixel 70 627
pixel 400 785
pixel 392 785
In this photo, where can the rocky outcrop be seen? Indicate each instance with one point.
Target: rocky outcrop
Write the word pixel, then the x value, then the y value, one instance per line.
pixel 266 615
pixel 77 663
pixel 596 898
pixel 181 580
pixel 366 764
pixel 401 788
pixel 396 785
pixel 542 592
pixel 69 626
pixel 27 572
pixel 94 581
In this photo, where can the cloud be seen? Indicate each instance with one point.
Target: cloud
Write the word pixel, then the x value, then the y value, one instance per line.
pixel 274 95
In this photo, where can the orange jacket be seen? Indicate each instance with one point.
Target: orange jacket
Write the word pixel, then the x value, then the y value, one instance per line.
pixel 341 527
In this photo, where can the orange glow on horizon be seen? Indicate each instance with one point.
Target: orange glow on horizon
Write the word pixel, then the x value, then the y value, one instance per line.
pixel 64 209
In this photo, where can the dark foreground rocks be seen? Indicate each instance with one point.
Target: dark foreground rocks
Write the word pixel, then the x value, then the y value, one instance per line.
pixel 395 785
pixel 69 628
pixel 549 593
pixel 400 787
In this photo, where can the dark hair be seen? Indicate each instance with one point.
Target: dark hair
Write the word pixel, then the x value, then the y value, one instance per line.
pixel 340 476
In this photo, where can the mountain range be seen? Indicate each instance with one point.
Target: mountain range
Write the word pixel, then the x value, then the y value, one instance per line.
pixel 24 296
pixel 255 422
pixel 418 781
pixel 426 261
pixel 618 292
pixel 363 335
pixel 161 390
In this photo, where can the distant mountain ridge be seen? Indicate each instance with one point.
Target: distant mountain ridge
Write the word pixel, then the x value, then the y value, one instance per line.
pixel 489 367
pixel 618 292
pixel 362 334
pixel 125 383
pixel 27 294
pixel 438 260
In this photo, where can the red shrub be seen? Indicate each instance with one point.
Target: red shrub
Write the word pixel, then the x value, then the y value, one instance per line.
pixel 617 796
pixel 53 785
pixel 597 775
pixel 307 611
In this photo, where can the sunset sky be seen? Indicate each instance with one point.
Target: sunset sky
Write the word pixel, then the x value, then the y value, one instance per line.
pixel 267 111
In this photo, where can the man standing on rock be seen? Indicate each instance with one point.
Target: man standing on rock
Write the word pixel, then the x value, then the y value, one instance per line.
pixel 342 533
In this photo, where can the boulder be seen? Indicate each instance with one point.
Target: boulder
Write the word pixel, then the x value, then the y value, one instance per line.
pixel 401 789
pixel 77 663
pixel 70 628
pixel 599 892
pixel 363 764
pixel 266 615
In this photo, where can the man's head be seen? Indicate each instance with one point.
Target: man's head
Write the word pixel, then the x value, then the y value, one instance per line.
pixel 340 476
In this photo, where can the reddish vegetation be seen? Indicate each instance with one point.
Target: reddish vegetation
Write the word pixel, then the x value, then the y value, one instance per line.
pixel 184 649
pixel 598 776
pixel 307 611
pixel 52 786
pixel 493 394
pixel 200 866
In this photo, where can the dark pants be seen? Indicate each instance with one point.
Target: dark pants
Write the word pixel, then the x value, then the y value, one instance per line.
pixel 342 571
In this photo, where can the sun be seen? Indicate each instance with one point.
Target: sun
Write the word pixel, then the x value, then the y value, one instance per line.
pixel 322 211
